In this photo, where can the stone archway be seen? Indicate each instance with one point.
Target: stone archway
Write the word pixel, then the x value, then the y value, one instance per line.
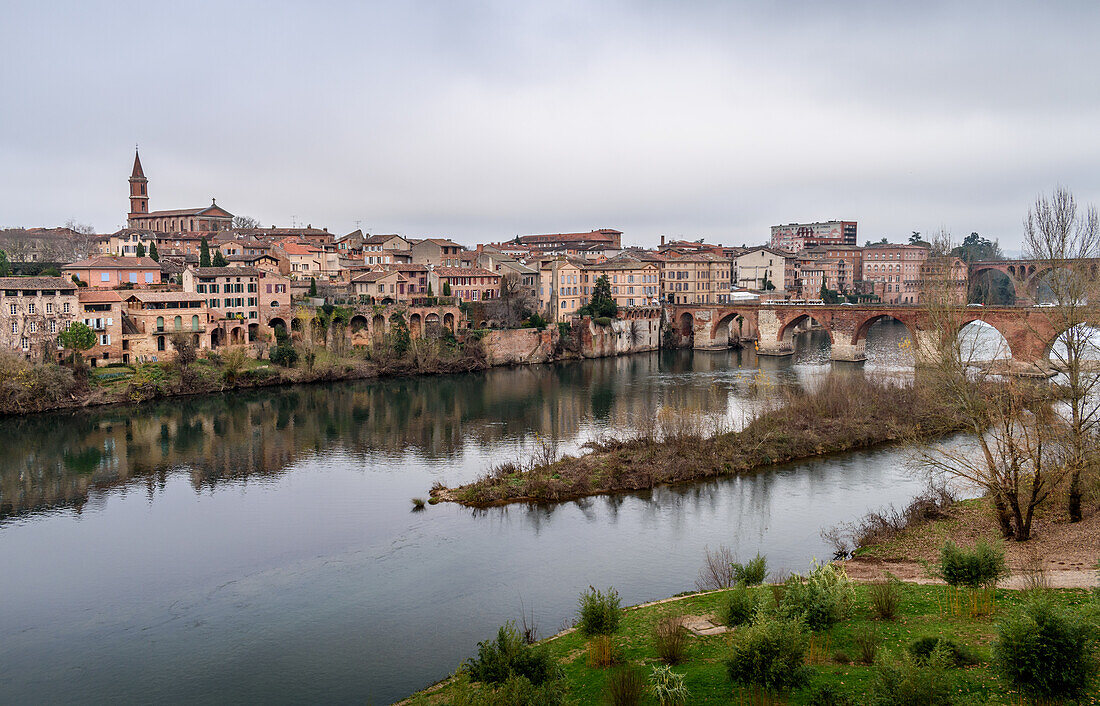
pixel 449 322
pixel 378 329
pixel 416 326
pixel 733 327
pixel 855 348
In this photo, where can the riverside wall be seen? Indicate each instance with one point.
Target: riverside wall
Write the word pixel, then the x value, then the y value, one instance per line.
pixel 637 332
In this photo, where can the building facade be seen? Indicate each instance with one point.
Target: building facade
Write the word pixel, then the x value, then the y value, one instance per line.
pixel 893 272
pixel 794 237
pixel 109 271
pixel 33 310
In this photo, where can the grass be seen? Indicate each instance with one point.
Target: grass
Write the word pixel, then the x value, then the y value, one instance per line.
pixel 921 613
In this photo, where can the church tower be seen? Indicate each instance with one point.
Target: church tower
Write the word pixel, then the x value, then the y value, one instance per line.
pixel 139 191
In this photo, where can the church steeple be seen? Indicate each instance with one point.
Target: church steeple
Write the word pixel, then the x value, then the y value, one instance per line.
pixel 139 192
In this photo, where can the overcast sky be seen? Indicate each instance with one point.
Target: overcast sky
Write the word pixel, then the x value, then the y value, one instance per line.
pixel 483 120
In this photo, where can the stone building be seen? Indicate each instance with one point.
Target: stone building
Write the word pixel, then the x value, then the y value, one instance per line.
pixel 33 310
pixel 101 311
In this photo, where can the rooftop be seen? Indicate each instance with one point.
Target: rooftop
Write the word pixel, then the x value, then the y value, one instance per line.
pixel 36 283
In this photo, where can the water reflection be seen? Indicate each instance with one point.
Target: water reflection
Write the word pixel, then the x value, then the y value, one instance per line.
pixel 260 546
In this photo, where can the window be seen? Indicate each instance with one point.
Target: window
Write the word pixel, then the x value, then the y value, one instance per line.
pixel 65 308
pixel 104 276
pixel 25 343
pixel 53 327
pixel 49 307
pixel 13 309
pixel 30 308
pixel 133 278
pixel 15 327
pixel 105 339
pixel 177 323
pixel 160 323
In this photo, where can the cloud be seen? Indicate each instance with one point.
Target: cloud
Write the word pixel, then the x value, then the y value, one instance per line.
pixel 486 119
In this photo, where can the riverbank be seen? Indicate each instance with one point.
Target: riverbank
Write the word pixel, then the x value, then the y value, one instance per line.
pixel 834 656
pixel 29 387
pixel 842 414
pixel 1060 554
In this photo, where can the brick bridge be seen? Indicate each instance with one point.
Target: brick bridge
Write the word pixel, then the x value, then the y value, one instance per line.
pixel 1025 275
pixel 1029 331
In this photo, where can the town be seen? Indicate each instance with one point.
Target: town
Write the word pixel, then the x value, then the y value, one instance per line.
pixel 227 281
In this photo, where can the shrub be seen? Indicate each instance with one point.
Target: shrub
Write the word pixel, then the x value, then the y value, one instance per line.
pixel 418 503
pixel 599 612
pixel 904 681
pixel 770 653
pixel 983 566
pixel 885 597
pixel 284 354
pixel 519 691
pixel 741 605
pixel 602 321
pixel 827 695
pixel 602 652
pixel 670 639
pixel 625 686
pixel 717 571
pixel 508 656
pixel 866 641
pixel 752 572
pixel 958 655
pixel 1046 652
pixel 822 598
pixel 667 686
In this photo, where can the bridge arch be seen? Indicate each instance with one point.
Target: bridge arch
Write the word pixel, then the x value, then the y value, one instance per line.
pixel 733 322
pixel 979 346
pixel 790 328
pixel 861 330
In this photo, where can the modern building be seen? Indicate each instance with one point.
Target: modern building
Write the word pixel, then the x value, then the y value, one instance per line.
pixel 795 237
pixel 33 310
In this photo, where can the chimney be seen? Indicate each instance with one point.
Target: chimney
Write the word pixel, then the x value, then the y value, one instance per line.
pixel 662 240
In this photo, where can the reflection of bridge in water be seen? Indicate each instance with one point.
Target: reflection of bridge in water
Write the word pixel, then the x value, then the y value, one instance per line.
pixel 1028 331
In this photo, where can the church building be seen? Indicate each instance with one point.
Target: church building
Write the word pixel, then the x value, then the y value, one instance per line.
pixel 208 218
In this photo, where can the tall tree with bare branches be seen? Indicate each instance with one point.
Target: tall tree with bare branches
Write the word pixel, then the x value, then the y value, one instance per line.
pixel 1064 239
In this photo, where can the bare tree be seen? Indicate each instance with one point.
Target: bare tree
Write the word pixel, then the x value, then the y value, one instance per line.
pixel 1016 456
pixel 1065 240
pixel 240 222
pixel 513 305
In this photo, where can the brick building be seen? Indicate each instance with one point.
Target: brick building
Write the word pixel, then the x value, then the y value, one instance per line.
pixel 893 272
pixel 101 311
pixel 110 271
pixel 207 218
pixel 795 237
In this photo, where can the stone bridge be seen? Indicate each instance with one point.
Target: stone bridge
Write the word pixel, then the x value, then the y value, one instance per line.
pixel 1027 275
pixel 1029 331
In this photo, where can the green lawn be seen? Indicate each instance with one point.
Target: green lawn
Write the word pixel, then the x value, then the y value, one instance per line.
pixel 921 613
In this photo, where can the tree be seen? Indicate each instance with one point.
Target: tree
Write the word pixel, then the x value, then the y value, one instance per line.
pixel 915 238
pixel 76 339
pixel 1016 457
pixel 245 222
pixel 446 288
pixel 1066 241
pixel 766 284
pixel 312 287
pixel 186 351
pixel 5 266
pixel 513 305
pixel 153 252
pixel 204 253
pixel 219 259
pixel 141 249
pixel 974 248
pixel 601 303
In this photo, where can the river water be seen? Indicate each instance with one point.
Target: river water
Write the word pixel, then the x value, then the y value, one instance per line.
pixel 261 546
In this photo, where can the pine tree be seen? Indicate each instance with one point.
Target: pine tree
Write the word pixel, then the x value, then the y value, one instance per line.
pixel 141 249
pixel 153 252
pixel 204 253
pixel 446 288
pixel 219 259
pixel 312 287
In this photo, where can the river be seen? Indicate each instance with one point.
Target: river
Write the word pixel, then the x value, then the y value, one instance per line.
pixel 261 546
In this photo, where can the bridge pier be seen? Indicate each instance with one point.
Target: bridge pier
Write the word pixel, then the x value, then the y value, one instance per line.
pixel 850 352
pixel 774 347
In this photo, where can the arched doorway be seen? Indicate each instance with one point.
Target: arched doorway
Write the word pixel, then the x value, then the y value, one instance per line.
pixel 236 335
pixel 416 326
pixel 217 338
pixel 253 332
pixel 449 322
pixel 276 324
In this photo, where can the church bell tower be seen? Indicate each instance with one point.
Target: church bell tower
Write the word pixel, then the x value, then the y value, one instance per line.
pixel 139 191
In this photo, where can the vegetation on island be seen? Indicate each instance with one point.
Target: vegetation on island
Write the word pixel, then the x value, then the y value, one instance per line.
pixel 843 413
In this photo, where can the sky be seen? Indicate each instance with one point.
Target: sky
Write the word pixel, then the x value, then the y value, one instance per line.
pixel 480 121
